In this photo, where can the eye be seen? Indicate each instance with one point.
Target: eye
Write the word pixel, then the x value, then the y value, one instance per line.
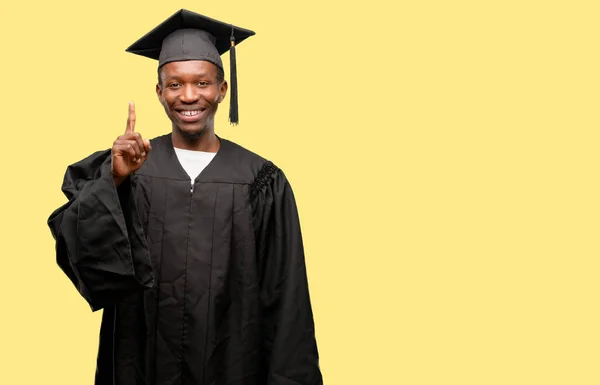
pixel 173 85
pixel 202 83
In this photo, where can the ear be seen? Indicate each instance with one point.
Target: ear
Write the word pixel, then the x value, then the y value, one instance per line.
pixel 223 90
pixel 159 91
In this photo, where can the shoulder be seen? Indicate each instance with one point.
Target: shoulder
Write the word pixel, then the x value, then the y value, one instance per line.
pixel 264 176
pixel 255 168
pixel 244 157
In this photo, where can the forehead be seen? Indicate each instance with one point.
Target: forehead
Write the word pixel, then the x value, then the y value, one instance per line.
pixel 189 68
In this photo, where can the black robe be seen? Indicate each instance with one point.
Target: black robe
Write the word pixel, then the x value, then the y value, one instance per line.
pixel 198 286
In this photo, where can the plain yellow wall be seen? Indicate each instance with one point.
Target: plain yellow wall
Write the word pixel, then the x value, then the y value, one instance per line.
pixel 443 155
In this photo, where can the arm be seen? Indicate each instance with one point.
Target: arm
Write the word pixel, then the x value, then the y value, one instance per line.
pixel 287 312
pixel 100 244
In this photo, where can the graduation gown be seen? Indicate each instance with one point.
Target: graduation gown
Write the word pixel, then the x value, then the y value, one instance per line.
pixel 198 285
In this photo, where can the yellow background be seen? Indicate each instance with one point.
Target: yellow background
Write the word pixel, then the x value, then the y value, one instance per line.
pixel 444 155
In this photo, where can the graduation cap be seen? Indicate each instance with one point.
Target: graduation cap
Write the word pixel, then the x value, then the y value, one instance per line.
pixel 187 35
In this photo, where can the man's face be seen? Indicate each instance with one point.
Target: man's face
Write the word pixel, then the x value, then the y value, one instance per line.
pixel 190 93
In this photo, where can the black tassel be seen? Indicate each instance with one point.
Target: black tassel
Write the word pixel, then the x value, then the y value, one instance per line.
pixel 233 106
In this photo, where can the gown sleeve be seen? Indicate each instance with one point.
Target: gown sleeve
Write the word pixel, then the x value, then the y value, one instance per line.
pixel 98 236
pixel 288 325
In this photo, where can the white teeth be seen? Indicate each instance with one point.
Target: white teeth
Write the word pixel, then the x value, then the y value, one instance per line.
pixel 190 113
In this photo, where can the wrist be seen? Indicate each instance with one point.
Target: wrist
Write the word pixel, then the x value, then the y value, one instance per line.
pixel 119 179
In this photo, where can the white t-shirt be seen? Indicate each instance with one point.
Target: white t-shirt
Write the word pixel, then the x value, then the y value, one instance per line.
pixel 193 162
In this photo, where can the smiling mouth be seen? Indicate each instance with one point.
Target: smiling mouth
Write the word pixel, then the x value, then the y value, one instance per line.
pixel 190 116
pixel 190 113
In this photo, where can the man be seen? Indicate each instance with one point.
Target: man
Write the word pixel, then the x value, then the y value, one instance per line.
pixel 189 243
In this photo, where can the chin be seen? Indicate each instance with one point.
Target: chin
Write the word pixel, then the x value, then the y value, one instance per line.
pixel 191 133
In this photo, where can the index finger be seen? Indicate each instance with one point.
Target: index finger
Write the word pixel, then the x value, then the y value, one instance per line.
pixel 130 119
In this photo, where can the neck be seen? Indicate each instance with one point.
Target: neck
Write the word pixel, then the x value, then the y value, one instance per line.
pixel 206 141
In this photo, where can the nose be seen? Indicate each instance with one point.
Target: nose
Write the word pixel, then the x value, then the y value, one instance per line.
pixel 189 94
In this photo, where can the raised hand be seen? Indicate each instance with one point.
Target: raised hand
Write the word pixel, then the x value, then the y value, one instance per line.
pixel 129 151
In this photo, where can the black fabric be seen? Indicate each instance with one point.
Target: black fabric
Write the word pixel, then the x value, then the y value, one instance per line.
pixel 215 40
pixel 202 286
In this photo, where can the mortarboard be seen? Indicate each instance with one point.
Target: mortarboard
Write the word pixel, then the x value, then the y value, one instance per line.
pixel 186 35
